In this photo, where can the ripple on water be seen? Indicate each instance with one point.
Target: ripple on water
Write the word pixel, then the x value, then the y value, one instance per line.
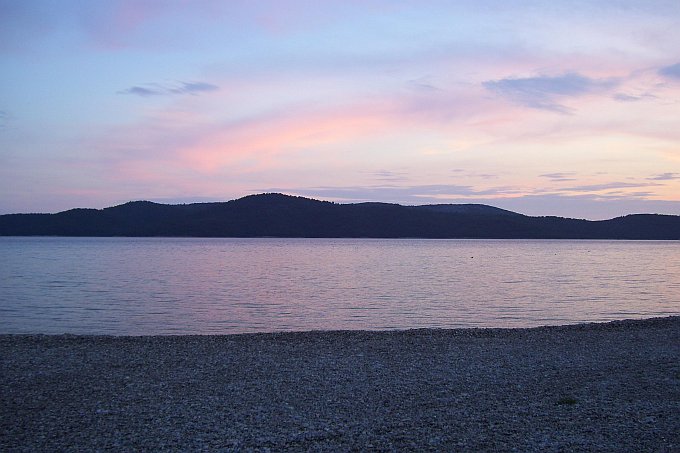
pixel 172 286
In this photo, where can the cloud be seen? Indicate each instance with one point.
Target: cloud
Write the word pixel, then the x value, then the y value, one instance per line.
pixel 422 84
pixel 627 97
pixel 4 118
pixel 186 200
pixel 142 91
pixel 387 175
pixel 263 138
pixel 622 97
pixel 606 186
pixel 664 177
pixel 589 206
pixel 672 71
pixel 182 88
pixel 417 194
pixel 391 194
pixel 194 88
pixel 558 177
pixel 448 193
pixel 542 92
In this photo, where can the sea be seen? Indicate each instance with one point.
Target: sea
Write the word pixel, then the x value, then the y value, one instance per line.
pixel 172 286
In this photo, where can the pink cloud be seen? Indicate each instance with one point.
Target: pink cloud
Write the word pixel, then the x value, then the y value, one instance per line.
pixel 195 130
pixel 261 140
pixel 204 145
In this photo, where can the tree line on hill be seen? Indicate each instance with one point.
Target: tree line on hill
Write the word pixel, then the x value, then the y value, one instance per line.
pixel 278 215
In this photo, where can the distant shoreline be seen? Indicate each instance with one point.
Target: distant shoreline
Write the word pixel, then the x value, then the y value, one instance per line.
pixel 285 216
pixel 611 386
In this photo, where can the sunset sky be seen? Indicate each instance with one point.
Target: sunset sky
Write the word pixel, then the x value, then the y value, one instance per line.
pixel 567 108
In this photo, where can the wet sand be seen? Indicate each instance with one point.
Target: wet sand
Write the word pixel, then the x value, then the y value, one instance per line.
pixel 593 387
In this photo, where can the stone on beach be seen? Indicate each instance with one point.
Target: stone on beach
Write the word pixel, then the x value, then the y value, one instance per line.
pixel 606 387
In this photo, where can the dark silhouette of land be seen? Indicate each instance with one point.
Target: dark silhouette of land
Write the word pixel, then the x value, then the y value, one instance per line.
pixel 277 215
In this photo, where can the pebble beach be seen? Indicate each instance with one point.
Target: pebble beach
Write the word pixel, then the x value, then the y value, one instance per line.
pixel 592 387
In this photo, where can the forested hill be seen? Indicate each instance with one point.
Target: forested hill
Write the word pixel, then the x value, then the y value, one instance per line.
pixel 277 215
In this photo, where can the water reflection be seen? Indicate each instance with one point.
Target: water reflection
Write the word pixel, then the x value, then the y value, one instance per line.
pixel 172 286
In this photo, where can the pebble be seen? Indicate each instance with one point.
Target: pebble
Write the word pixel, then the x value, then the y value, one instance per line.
pixel 414 390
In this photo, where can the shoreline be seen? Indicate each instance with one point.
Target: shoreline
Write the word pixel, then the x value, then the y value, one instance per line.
pixel 606 386
pixel 450 330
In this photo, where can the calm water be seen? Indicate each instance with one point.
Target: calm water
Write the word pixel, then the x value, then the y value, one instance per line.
pixel 200 286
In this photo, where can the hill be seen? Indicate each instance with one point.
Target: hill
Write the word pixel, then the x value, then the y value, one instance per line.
pixel 277 215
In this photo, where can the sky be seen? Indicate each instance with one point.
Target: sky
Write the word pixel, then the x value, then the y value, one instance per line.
pixel 568 108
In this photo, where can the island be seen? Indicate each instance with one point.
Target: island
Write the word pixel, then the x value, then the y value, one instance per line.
pixel 279 215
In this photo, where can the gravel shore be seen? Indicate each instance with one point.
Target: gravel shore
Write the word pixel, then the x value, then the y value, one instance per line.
pixel 594 387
